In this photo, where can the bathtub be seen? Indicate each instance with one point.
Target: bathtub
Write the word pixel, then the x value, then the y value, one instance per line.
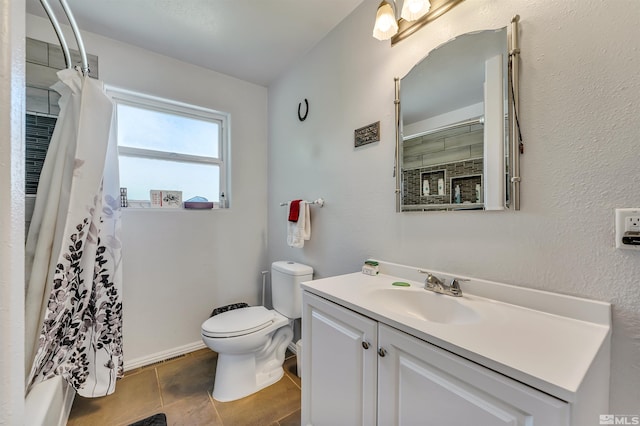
pixel 49 403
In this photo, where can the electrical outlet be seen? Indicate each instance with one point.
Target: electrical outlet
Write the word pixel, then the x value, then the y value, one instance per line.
pixel 632 223
pixel 627 220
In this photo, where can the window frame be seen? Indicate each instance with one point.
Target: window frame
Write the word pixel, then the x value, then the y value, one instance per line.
pixel 169 106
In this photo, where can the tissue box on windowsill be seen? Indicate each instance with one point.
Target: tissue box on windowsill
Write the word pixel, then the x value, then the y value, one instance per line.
pixel 198 204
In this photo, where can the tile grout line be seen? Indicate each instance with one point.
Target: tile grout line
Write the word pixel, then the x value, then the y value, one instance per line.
pixel 299 387
pixel 155 370
pixel 214 408
pixel 293 381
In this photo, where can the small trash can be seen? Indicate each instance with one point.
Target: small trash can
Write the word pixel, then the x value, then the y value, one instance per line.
pixel 299 357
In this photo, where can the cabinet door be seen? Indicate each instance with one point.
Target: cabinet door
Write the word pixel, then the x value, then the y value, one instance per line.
pixel 421 384
pixel 339 375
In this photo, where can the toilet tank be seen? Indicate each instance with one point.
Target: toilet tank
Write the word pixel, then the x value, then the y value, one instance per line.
pixel 286 294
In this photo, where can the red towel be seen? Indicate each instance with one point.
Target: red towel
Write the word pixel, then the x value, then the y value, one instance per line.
pixel 294 210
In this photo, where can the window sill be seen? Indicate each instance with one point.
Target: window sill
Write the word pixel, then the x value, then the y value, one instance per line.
pixel 146 205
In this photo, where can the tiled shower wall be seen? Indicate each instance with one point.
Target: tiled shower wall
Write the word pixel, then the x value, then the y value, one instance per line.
pixel 39 129
pixel 412 182
pixel 456 151
pixel 43 61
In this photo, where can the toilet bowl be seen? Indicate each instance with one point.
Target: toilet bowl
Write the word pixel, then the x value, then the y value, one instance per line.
pixel 251 342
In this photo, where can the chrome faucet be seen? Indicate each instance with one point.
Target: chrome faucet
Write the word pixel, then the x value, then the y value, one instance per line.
pixel 436 285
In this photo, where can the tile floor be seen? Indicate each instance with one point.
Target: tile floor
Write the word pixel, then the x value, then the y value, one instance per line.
pixel 181 388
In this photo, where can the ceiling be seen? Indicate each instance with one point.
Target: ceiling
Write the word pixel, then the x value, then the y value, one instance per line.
pixel 253 40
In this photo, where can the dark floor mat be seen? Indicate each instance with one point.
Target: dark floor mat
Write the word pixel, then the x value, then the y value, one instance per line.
pixel 156 420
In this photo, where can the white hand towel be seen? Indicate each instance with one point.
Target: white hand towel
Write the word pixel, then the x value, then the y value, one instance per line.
pixel 300 231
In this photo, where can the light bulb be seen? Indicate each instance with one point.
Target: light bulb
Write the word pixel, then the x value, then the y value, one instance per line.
pixel 414 9
pixel 386 25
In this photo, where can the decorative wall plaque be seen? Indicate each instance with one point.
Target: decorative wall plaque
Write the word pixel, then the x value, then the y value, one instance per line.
pixel 367 134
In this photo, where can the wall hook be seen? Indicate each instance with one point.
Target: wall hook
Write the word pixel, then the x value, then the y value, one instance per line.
pixel 306 112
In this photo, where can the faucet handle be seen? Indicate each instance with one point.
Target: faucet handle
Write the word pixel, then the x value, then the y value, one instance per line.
pixel 430 276
pixel 454 287
pixel 432 282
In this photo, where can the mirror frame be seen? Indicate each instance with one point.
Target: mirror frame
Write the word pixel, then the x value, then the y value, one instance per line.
pixel 515 147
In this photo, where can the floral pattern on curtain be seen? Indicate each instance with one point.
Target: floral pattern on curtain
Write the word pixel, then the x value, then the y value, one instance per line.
pixel 74 249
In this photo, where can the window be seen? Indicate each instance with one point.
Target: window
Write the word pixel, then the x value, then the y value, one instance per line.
pixel 167 145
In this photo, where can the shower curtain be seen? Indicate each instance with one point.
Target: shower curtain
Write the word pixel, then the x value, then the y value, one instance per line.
pixel 73 306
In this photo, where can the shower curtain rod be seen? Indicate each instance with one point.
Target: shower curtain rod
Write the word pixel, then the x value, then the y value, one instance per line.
pixel 479 120
pixel 76 33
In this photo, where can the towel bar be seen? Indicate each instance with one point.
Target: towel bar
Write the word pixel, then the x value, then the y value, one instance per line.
pixel 319 202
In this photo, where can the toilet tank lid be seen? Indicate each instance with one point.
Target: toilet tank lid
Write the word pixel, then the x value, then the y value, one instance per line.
pixel 292 268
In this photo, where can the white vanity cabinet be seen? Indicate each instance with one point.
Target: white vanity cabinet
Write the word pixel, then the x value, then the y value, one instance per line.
pixel 339 365
pixel 358 371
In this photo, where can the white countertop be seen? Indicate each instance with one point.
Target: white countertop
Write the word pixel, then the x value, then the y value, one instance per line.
pixel 547 349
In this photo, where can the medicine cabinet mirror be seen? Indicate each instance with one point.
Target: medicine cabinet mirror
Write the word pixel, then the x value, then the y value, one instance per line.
pixel 455 125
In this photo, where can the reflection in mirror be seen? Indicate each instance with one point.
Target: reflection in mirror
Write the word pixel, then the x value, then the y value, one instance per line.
pixel 454 124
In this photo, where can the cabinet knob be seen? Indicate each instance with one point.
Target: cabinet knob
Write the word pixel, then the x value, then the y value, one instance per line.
pixel 365 344
pixel 382 352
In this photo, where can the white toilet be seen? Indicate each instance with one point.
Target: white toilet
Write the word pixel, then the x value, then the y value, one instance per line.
pixel 251 342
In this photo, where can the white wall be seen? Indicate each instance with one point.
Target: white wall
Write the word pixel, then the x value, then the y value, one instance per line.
pixel 12 212
pixel 179 265
pixel 579 117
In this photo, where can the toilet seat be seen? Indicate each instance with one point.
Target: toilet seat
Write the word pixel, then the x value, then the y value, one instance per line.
pixel 238 322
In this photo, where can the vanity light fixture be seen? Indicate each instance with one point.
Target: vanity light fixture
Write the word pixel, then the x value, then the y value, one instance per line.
pixel 386 25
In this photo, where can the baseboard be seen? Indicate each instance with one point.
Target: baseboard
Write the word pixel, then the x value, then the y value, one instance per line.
pixel 174 352
pixel 162 356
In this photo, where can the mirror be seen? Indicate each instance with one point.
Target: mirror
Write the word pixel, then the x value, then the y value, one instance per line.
pixel 453 118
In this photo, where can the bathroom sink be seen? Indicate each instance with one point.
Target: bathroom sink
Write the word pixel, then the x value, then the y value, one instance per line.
pixel 425 305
